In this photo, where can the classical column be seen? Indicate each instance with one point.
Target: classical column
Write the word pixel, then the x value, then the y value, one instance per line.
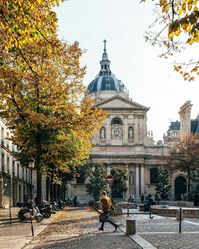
pixel 185 117
pixel 125 130
pixel 141 129
pixel 108 169
pixel 142 178
pixel 127 182
pixel 137 129
pixel 137 181
pixel 108 130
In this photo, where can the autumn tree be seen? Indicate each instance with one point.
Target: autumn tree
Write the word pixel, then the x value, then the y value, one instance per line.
pixel 184 156
pixel 178 27
pixel 42 96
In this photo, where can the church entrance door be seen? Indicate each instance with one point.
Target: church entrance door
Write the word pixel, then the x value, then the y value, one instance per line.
pixel 180 187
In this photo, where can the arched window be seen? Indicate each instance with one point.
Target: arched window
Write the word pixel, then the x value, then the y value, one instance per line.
pixel 153 175
pixel 116 121
pixel 116 129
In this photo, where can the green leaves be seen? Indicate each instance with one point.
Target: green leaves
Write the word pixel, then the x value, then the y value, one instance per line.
pixel 97 182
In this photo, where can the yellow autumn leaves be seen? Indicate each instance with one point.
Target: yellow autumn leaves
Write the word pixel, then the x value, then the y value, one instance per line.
pixel 182 19
pixel 21 20
pixel 187 19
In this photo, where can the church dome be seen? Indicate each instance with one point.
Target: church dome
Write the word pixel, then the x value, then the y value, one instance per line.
pixel 106 80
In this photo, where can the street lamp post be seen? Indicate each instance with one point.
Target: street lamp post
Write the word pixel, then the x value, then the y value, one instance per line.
pixel 10 203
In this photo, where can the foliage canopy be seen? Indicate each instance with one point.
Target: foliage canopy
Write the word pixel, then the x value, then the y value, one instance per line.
pixel 181 20
pixel 42 95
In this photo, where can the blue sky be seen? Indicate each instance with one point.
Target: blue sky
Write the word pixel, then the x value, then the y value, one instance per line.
pixel 150 80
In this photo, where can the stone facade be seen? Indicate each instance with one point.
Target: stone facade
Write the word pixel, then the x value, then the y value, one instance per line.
pixel 15 181
pixel 127 143
pixel 185 118
pixel 123 139
pixel 177 129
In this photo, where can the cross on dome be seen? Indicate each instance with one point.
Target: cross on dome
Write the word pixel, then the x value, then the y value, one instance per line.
pixel 105 41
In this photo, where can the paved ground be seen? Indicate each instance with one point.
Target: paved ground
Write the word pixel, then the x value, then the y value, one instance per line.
pixel 77 228
pixel 163 232
pixel 18 234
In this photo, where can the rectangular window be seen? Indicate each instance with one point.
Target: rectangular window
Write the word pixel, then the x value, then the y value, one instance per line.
pixel 26 174
pixel 23 173
pixel 8 165
pixel 13 168
pixel 153 175
pixel 18 170
pixel 2 136
pixel 3 161
pixel 7 143
pixel 20 199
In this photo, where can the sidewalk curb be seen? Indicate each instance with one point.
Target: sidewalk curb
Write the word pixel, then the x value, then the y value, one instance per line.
pixel 34 239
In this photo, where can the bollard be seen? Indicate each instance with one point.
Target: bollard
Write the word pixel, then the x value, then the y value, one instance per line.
pixel 130 226
pixel 179 216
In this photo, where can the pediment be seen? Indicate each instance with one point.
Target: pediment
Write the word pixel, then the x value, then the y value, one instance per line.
pixel 118 102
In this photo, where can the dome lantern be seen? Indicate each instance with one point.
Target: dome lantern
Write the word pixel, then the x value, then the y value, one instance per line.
pixel 105 63
pixel 106 81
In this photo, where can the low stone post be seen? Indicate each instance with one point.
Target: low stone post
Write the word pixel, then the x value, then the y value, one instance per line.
pixel 130 226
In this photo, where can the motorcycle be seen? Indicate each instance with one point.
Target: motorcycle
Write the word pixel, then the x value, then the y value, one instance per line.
pixel 55 206
pixel 27 209
pixel 45 209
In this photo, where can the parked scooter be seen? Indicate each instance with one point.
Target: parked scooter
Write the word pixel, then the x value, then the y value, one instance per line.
pixel 45 209
pixel 29 208
pixel 55 206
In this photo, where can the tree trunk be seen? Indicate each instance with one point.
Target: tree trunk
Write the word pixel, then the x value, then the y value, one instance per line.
pixel 39 173
pixel 47 189
pixel 39 186
pixel 189 183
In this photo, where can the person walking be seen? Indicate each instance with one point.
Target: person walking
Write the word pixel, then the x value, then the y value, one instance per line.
pixel 142 198
pixel 75 201
pixel 107 206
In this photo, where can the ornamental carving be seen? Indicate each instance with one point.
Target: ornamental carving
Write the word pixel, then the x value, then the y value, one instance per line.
pixel 116 132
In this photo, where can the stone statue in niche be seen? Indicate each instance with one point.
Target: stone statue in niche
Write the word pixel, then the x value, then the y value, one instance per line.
pixel 131 132
pixel 102 133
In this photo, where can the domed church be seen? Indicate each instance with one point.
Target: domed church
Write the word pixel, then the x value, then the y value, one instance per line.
pixel 123 140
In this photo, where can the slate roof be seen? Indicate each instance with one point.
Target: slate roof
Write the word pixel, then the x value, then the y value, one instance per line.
pixel 175 125
pixel 106 80
pixel 195 125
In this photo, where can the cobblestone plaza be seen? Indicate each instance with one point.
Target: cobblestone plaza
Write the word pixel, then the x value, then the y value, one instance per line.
pixel 78 228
